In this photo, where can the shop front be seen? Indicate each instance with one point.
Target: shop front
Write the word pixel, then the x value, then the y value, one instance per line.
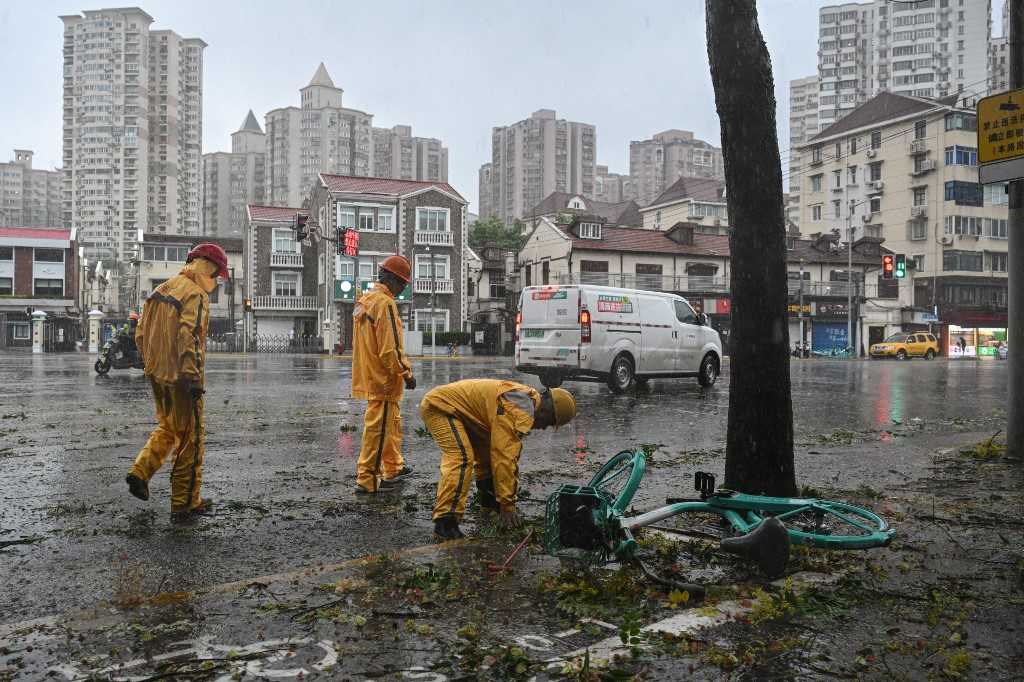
pixel 974 342
pixel 829 327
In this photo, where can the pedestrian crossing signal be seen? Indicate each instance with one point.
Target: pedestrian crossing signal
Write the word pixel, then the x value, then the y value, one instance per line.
pixel 900 266
pixel 351 243
pixel 887 266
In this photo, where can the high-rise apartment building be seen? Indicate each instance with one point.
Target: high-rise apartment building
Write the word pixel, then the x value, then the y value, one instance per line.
pixel 999 55
pixel 29 197
pixel 803 125
pixel 485 207
pixel 534 157
pixel 132 130
pixel 614 188
pixel 656 163
pixel 930 48
pixel 232 180
pixel 323 136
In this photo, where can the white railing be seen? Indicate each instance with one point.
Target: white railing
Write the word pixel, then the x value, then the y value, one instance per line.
pixel 427 238
pixel 284 302
pixel 288 260
pixel 441 286
pixel 685 283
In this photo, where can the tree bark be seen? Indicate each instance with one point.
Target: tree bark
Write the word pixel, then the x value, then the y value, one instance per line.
pixel 759 445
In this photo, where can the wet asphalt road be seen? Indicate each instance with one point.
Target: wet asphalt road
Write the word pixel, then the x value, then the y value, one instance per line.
pixel 282 440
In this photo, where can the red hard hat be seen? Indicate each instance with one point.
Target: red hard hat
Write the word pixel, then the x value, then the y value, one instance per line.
pixel 212 253
pixel 398 266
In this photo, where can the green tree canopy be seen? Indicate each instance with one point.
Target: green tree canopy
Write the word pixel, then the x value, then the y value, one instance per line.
pixel 494 232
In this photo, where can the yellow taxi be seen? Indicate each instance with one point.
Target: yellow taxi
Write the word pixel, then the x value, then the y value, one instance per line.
pixel 905 345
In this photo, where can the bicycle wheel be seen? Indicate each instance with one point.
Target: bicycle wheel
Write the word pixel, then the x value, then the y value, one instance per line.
pixel 620 477
pixel 834 525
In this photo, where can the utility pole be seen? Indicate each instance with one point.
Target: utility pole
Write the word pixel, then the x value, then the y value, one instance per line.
pixel 800 309
pixel 1015 259
pixel 849 277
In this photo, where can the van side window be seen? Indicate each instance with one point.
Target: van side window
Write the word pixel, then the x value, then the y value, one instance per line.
pixel 684 313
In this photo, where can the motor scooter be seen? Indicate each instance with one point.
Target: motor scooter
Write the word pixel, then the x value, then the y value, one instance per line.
pixel 118 353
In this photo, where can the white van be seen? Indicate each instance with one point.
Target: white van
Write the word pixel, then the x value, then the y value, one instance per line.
pixel 620 336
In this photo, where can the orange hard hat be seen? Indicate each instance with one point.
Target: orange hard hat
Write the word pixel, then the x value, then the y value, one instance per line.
pixel 212 253
pixel 398 266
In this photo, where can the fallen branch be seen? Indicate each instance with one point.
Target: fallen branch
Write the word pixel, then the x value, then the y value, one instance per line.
pixel 21 541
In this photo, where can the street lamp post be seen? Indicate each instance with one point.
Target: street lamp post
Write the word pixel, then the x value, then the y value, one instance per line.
pixel 800 308
pixel 849 271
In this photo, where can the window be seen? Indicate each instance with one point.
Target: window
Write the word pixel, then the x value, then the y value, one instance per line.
pixel 851 175
pixel 528 275
pixel 998 262
pixel 875 171
pixel 590 230
pixel 816 154
pixel 366 223
pixel 837 179
pixel 432 219
pixel 346 268
pixel 853 145
pixel 657 220
pixel 285 283
pixel 426 315
pixel 48 255
pixel 684 313
pixel 839 150
pixel 961 156
pixel 215 294
pixel 873 231
pixel 996 195
pixel 284 241
pixel 961 121
pixel 876 139
pixel 837 211
pixel 970 261
pixel 21 331
pixel 346 216
pixel 920 196
pixel 594 272
pixel 918 263
pixel 497 283
pixel 545 272
pixel 964 193
pixel 423 266
pixel 875 204
pixel 920 130
pixel 6 253
pixel 385 220
pixel 816 213
pixel 918 230
pixel 470 287
pixel 816 183
pixel 960 224
pixel 995 228
pixel 6 286
pixel 48 287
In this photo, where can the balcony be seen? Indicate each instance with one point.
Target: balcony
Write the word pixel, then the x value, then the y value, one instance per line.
pixel 822 288
pixel 285 260
pixel 684 283
pixel 924 167
pixel 428 238
pixel 284 302
pixel 427 286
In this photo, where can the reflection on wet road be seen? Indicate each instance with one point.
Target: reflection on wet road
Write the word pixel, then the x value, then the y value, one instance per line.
pixel 281 447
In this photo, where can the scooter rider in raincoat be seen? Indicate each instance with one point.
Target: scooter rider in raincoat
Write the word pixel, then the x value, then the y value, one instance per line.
pixel 479 424
pixel 380 368
pixel 172 340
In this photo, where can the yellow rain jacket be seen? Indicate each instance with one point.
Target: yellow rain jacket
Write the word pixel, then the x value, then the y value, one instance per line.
pixel 496 412
pixel 379 363
pixel 171 335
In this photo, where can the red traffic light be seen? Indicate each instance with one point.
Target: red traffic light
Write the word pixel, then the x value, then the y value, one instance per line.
pixel 351 243
pixel 887 266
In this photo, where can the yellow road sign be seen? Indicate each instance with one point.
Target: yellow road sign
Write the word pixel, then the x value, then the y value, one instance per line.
pixel 1001 127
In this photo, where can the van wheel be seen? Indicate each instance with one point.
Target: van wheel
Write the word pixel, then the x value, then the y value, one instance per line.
pixel 551 380
pixel 621 378
pixel 929 355
pixel 708 371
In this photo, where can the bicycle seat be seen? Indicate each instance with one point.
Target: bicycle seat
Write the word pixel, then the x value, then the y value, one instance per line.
pixel 768 545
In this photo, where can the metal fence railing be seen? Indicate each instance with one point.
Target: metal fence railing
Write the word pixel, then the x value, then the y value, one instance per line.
pixel 264 343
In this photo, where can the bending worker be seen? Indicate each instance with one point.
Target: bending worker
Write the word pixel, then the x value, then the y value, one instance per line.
pixel 479 424
pixel 172 340
pixel 379 370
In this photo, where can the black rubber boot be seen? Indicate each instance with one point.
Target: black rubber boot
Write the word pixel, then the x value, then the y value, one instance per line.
pixel 137 487
pixel 187 518
pixel 447 528
pixel 485 494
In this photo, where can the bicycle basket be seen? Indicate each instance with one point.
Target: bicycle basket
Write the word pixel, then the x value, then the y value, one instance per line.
pixel 577 523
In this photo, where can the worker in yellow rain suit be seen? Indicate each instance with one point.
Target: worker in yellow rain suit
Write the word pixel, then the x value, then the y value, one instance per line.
pixel 479 425
pixel 379 370
pixel 172 340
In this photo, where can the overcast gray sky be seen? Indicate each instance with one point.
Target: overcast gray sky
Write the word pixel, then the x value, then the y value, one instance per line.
pixel 449 69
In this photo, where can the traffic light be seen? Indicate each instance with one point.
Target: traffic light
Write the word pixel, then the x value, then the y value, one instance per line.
pixel 339 241
pixel 887 266
pixel 247 305
pixel 351 240
pixel 301 231
pixel 901 266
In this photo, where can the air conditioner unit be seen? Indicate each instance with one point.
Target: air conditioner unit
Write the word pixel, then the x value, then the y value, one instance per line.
pixel 866 217
pixel 871 153
pixel 919 212
pixel 947 240
pixel 879 185
pixel 718 222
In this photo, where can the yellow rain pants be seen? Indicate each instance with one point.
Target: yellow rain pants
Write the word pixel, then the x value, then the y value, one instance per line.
pixel 462 456
pixel 180 432
pixel 381 452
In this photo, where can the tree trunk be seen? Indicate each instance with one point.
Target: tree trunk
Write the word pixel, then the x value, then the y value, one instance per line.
pixel 759 445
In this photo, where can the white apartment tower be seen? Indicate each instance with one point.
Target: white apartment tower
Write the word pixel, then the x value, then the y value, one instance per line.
pixel 929 48
pixel 323 136
pixel 29 197
pixel 233 180
pixel 656 164
pixel 534 157
pixel 803 125
pixel 132 135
